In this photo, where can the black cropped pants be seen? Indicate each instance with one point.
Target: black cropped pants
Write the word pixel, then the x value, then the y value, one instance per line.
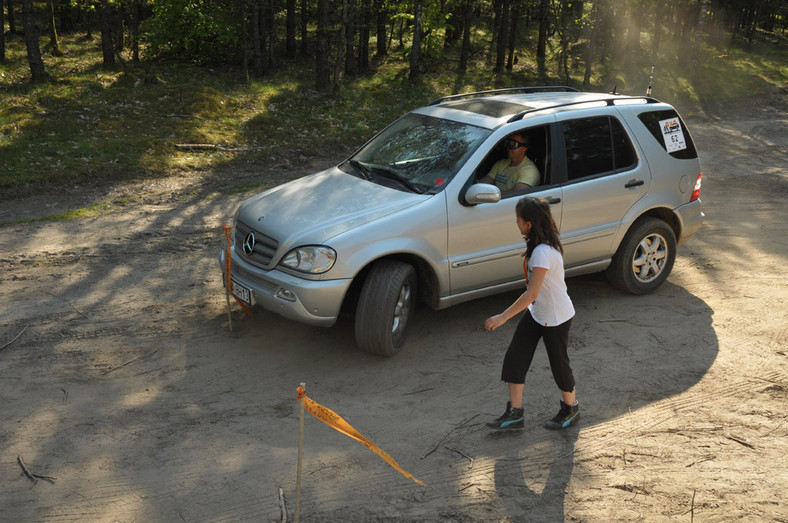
pixel 521 351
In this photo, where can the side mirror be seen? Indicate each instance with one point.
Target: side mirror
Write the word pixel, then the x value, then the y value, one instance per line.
pixel 482 193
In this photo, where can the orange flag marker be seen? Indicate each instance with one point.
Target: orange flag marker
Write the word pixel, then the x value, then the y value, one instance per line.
pixel 332 419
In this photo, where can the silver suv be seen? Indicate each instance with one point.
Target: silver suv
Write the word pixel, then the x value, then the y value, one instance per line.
pixel 404 219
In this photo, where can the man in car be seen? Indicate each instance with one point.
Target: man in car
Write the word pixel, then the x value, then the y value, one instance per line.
pixel 516 172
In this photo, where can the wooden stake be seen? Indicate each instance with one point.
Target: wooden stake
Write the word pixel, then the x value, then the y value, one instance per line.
pixel 229 311
pixel 300 456
pixel 227 285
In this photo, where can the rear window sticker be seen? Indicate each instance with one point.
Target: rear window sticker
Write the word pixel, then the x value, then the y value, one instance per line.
pixel 673 135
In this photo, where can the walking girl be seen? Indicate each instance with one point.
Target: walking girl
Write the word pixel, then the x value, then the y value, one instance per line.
pixel 548 315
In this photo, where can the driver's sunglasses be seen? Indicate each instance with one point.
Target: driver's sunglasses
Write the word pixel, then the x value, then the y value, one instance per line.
pixel 514 144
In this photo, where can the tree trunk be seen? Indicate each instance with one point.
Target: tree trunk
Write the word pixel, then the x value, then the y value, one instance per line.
pixel 415 51
pixel 64 14
pixel 503 27
pixel 593 38
pixel 53 39
pixel 564 21
pixel 363 37
pixel 304 18
pixel 11 18
pixel 541 46
pixel 258 30
pixel 290 24
pixel 756 9
pixel 323 81
pixel 697 48
pixel 349 14
pixel 107 49
pixel 340 45
pixel 2 32
pixel 135 30
pixel 512 36
pixel 119 20
pixel 467 14
pixel 37 70
pixel 244 38
pixel 380 32
pixel 88 25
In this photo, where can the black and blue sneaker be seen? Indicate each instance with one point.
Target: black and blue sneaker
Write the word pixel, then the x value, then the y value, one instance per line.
pixel 512 419
pixel 566 417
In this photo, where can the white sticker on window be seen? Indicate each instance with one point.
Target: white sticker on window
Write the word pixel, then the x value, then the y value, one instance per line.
pixel 673 135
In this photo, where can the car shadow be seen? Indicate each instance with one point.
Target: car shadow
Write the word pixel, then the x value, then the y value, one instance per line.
pixel 628 353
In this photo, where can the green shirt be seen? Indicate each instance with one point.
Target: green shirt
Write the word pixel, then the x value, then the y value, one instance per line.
pixel 506 176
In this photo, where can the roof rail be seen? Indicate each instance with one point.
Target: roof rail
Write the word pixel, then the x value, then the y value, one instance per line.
pixel 524 90
pixel 607 101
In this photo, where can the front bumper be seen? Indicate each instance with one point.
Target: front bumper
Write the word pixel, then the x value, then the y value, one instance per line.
pixel 314 302
pixel 691 217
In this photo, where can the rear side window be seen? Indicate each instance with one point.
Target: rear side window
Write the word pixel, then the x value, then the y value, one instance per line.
pixel 595 146
pixel 663 126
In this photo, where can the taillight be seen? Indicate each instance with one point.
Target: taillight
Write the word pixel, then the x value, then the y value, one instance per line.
pixel 696 190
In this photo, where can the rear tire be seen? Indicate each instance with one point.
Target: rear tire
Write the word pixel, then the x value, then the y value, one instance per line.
pixel 385 307
pixel 645 257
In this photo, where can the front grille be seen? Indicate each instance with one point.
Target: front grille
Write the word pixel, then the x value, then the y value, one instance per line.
pixel 264 246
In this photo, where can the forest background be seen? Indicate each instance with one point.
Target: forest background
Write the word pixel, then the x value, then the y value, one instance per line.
pixel 102 92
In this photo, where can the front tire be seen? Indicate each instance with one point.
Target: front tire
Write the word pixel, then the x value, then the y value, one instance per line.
pixel 645 257
pixel 385 307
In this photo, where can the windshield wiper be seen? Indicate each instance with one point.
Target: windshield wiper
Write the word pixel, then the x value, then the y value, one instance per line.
pixel 404 181
pixel 361 167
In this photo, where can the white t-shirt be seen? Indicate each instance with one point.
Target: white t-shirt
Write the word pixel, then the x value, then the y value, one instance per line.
pixel 553 306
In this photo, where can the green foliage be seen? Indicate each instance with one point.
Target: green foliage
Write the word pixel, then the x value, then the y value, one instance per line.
pixel 202 31
pixel 92 126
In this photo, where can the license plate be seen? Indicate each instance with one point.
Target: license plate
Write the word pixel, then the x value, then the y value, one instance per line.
pixel 241 292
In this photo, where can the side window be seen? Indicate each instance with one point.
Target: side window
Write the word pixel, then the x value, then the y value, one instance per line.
pixel 595 146
pixel 531 157
pixel 624 154
pixel 652 119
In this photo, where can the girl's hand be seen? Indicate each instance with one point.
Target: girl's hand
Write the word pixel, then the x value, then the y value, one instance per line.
pixel 494 322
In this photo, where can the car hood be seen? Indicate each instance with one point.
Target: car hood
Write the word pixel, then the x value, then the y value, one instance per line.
pixel 314 209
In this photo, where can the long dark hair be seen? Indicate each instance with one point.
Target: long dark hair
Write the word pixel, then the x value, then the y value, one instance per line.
pixel 543 228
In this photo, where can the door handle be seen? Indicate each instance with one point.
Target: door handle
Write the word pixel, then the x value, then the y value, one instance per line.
pixel 552 200
pixel 634 183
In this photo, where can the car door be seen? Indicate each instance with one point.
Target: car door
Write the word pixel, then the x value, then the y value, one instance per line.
pixel 484 244
pixel 604 178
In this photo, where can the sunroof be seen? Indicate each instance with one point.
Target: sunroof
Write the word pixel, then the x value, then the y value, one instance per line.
pixel 492 108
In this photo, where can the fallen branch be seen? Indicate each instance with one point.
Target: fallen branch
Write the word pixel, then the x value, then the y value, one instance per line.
pixel 692 517
pixel 17 337
pixel 130 362
pixel 470 465
pixel 27 472
pixel 33 477
pixel 739 441
pixel 211 147
pixel 69 302
pixel 438 444
pixel 282 505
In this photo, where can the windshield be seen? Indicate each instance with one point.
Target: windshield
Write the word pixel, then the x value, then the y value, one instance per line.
pixel 422 152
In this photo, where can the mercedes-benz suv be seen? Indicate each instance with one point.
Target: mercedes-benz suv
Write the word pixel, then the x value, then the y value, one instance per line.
pixel 405 219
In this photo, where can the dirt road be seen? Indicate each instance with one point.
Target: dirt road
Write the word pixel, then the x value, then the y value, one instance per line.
pixel 127 386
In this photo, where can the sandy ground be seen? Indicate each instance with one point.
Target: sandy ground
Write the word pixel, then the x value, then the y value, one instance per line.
pixel 127 386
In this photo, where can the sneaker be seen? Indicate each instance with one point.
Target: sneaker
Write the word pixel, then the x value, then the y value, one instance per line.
pixel 511 419
pixel 566 417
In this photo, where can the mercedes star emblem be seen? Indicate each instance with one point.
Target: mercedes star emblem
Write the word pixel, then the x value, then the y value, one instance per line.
pixel 248 245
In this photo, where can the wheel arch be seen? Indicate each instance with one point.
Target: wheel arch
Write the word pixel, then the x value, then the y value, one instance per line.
pixel 661 213
pixel 428 285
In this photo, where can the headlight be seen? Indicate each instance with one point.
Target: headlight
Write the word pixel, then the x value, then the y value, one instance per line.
pixel 312 259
